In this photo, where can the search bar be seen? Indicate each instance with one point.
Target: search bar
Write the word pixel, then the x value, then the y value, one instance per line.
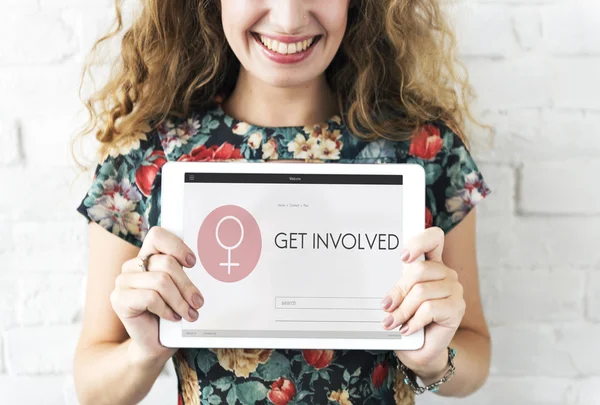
pixel 356 303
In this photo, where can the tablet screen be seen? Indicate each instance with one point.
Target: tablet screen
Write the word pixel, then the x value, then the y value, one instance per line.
pixel 293 255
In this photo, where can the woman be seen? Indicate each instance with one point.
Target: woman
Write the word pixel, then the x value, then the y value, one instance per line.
pixel 287 80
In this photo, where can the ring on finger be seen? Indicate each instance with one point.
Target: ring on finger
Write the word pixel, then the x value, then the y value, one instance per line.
pixel 143 261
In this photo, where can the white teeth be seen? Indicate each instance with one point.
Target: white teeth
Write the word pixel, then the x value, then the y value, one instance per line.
pixel 283 48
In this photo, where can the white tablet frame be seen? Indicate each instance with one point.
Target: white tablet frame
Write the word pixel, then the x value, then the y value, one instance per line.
pixel 172 220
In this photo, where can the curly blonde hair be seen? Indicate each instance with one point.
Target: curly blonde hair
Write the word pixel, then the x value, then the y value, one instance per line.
pixel 389 77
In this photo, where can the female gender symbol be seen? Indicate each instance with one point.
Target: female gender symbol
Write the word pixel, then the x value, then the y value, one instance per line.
pixel 219 231
pixel 229 248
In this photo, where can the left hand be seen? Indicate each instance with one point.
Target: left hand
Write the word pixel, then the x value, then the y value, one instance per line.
pixel 428 295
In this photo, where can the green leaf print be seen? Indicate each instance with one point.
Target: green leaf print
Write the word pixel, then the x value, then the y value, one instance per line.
pixel 277 366
pixel 205 360
pixel 432 173
pixel 231 396
pixel 223 383
pixel 448 140
pixel 249 393
pixel 214 400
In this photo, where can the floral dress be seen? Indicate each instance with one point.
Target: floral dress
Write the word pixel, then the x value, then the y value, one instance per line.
pixel 124 198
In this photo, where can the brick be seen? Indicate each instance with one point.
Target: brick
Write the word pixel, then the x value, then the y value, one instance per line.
pixel 573 87
pixel 545 357
pixel 512 83
pixel 59 246
pixel 530 135
pixel 593 297
pixel 48 39
pixel 45 299
pixel 37 200
pixel 8 298
pixel 538 242
pixel 41 350
pixel 470 20
pixel 527 26
pixel 572 28
pixel 585 392
pixel 501 179
pixel 10 153
pixel 559 187
pixel 163 391
pixel 49 89
pixel 508 296
pixel 578 339
pixel 59 130
pixel 31 390
pixel 510 390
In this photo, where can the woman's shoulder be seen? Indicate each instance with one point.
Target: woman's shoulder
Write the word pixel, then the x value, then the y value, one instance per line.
pixel 454 182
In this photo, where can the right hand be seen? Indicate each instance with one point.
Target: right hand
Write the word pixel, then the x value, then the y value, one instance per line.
pixel 165 291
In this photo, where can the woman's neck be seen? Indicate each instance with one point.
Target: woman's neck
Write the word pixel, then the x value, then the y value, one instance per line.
pixel 256 102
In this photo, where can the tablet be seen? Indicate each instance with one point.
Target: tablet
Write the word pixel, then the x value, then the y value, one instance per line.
pixel 292 255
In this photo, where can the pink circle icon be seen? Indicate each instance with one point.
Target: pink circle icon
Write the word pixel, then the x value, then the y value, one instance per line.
pixel 229 243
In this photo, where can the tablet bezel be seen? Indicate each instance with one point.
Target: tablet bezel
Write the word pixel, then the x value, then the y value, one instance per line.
pixel 172 184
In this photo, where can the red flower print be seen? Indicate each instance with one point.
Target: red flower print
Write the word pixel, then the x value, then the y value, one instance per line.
pixel 214 152
pixel 428 218
pixel 427 143
pixel 146 173
pixel 179 399
pixel 282 391
pixel 380 374
pixel 318 358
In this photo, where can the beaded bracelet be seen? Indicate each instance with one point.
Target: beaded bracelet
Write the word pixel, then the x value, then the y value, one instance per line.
pixel 410 377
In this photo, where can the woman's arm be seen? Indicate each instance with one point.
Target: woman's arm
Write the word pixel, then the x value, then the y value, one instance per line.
pixel 107 368
pixel 472 339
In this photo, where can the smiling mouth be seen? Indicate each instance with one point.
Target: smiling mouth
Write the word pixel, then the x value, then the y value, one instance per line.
pixel 283 48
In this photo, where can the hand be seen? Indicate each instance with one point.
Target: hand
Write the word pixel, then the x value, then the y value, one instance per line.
pixel 139 297
pixel 428 295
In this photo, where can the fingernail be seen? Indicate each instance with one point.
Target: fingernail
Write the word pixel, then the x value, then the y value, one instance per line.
pixel 404 329
pixel 193 314
pixel 405 255
pixel 176 316
pixel 191 259
pixel 388 321
pixel 387 301
pixel 197 300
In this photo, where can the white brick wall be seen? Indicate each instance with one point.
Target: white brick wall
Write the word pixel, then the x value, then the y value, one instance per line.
pixel 536 67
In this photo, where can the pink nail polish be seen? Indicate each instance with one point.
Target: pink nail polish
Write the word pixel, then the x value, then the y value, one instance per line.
pixel 404 329
pixel 388 321
pixel 387 301
pixel 405 255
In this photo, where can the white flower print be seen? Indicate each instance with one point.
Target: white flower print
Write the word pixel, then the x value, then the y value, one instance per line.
pixel 330 150
pixel 115 210
pixel 241 128
pixel 175 136
pixel 460 204
pixel 269 150
pixel 126 144
pixel 305 148
pixel 255 140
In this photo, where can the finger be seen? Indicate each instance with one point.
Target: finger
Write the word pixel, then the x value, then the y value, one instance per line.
pixel 162 283
pixel 413 273
pixel 169 265
pixel 129 303
pixel 159 240
pixel 419 293
pixel 441 311
pixel 430 243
